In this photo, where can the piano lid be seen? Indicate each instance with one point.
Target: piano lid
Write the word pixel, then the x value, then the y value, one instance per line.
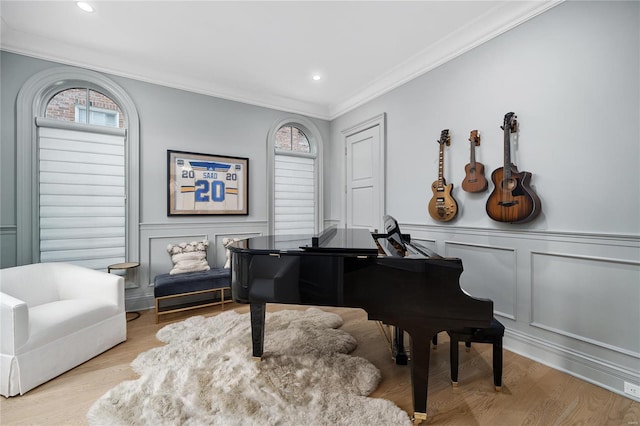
pixel 339 241
pixel 357 241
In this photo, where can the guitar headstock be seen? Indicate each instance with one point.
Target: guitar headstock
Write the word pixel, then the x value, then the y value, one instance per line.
pixel 474 138
pixel 510 122
pixel 445 138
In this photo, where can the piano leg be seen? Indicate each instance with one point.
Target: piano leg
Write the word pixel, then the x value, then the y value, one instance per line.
pixel 420 355
pixel 258 311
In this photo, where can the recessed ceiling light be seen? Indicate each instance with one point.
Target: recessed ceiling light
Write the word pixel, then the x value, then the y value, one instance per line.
pixel 85 6
pixel 316 77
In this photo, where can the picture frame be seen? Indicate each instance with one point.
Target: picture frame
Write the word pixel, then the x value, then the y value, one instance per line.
pixel 206 184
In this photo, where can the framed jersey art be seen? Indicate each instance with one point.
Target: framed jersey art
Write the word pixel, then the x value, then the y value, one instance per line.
pixel 207 184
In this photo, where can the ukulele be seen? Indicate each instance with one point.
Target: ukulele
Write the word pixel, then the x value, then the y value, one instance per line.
pixel 512 200
pixel 474 180
pixel 443 206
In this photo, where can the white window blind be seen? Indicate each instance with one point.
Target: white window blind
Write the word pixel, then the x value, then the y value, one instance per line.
pixel 81 195
pixel 294 199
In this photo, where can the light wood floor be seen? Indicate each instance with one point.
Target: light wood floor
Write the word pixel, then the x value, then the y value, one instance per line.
pixel 532 394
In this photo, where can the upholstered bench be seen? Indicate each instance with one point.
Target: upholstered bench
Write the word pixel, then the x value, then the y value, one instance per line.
pixel 167 286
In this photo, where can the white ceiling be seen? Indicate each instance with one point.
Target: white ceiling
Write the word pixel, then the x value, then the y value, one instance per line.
pixel 262 52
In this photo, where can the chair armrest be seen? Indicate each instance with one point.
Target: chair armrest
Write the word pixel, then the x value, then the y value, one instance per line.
pixel 76 282
pixel 14 323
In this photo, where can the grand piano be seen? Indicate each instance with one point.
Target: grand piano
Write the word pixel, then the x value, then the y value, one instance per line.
pixel 395 281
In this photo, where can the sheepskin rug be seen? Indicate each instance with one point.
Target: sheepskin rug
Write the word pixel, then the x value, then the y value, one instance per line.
pixel 205 375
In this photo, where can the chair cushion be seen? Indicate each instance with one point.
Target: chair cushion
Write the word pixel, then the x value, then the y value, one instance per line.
pixel 168 285
pixel 51 321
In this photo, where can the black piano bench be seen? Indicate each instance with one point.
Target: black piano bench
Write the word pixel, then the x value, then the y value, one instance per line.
pixel 213 281
pixel 493 334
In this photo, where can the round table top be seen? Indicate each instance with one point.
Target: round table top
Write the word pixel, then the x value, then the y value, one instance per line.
pixel 125 265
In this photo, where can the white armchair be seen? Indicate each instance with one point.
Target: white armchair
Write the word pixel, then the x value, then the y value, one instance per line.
pixel 55 316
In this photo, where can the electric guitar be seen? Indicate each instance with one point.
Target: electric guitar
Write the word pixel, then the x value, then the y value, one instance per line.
pixel 512 200
pixel 443 206
pixel 474 180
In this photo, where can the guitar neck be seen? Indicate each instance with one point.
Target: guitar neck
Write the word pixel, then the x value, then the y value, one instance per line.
pixel 507 154
pixel 473 154
pixel 441 167
pixel 509 126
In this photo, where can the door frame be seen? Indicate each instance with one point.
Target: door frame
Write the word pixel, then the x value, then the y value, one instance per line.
pixel 380 122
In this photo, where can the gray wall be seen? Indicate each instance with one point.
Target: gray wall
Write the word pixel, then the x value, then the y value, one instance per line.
pixel 572 77
pixel 169 119
pixel 566 285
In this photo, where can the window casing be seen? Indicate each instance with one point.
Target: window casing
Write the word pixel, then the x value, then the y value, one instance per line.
pixel 33 101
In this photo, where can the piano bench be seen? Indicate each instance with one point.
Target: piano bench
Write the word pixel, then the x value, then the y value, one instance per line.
pixel 167 287
pixel 493 334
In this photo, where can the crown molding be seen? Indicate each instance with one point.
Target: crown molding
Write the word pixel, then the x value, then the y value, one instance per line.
pixel 504 17
pixel 95 60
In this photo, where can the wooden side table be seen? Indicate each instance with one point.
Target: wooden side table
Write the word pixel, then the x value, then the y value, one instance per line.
pixel 125 266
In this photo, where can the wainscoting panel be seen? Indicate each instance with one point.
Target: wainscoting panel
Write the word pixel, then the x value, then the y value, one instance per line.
pixel 159 260
pixel 568 300
pixel 582 297
pixel 8 242
pixel 154 259
pixel 430 244
pixel 497 283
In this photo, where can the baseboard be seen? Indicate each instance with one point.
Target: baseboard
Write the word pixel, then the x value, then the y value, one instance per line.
pixel 139 303
pixel 585 367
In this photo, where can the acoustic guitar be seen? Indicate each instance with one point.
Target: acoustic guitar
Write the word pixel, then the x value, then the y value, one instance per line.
pixel 512 200
pixel 474 180
pixel 443 206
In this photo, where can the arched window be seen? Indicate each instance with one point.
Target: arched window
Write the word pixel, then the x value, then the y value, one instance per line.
pixel 71 105
pixel 293 139
pixel 296 177
pixel 77 155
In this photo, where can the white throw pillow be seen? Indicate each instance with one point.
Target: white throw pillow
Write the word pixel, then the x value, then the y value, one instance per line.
pixel 189 257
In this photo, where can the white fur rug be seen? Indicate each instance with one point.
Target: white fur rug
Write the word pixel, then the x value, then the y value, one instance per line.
pixel 205 375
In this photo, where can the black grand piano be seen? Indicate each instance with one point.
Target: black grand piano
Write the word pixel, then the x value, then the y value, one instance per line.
pixel 395 281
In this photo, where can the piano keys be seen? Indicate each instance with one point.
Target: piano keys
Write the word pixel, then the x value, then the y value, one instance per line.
pixel 394 280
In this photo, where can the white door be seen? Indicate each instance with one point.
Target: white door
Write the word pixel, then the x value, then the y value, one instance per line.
pixel 365 176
